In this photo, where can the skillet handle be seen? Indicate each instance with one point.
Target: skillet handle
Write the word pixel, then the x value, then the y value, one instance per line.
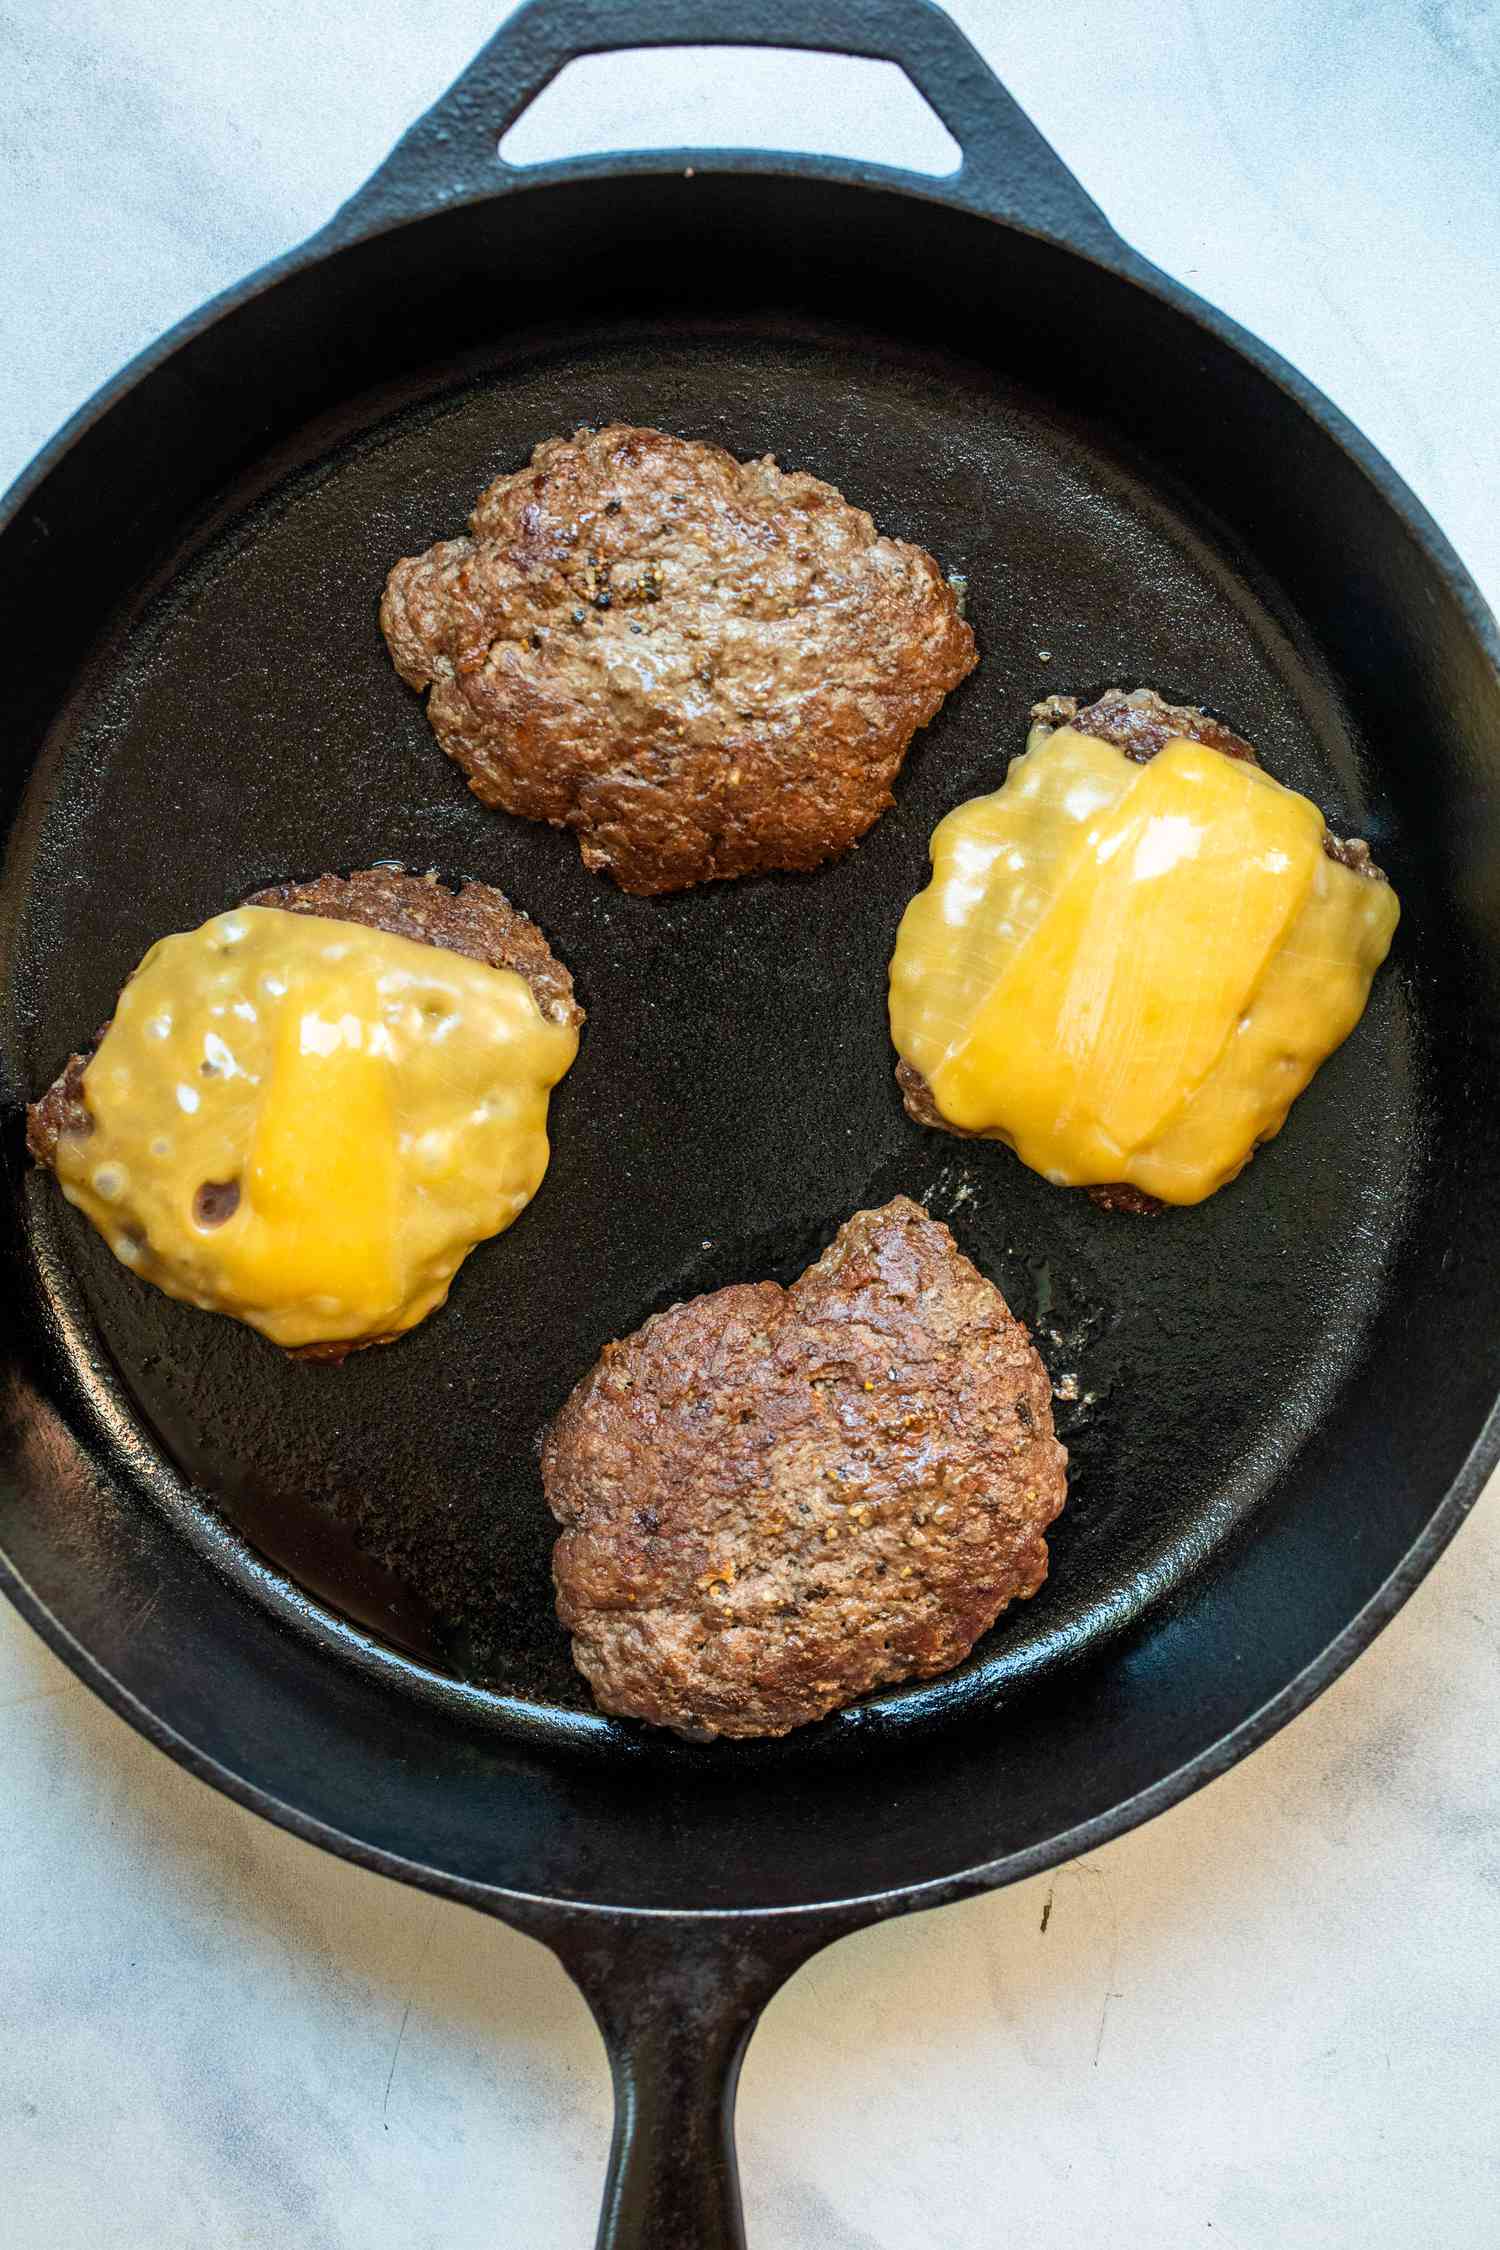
pixel 676 2001
pixel 450 155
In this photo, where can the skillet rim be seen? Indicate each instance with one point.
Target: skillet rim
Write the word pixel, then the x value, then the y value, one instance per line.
pixel 348 230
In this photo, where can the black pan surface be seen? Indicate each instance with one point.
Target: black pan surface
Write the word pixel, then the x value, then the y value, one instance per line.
pixel 733 1101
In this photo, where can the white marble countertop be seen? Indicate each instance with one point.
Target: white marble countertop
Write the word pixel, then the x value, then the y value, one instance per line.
pixel 1268 2019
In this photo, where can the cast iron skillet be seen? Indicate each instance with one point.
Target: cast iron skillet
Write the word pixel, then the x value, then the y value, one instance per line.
pixel 326 1590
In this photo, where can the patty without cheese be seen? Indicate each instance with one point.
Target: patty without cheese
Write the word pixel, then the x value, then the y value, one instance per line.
pixel 774 1500
pixel 702 666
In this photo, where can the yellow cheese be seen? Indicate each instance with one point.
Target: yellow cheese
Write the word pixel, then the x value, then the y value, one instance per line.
pixel 323 1172
pixel 1130 972
pixel 309 1124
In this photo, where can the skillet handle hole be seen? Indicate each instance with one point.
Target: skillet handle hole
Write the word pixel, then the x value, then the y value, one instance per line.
pixel 733 97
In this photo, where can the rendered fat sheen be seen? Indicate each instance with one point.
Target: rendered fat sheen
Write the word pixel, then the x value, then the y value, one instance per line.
pixel 366 1108
pixel 1129 972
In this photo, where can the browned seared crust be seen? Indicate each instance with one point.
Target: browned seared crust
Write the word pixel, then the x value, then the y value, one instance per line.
pixel 921 1108
pixel 476 921
pixel 61 1109
pixel 703 666
pixel 1134 1202
pixel 775 1500
pixel 1139 723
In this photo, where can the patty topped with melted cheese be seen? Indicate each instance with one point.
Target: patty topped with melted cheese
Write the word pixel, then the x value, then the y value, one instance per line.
pixel 1134 955
pixel 306 1113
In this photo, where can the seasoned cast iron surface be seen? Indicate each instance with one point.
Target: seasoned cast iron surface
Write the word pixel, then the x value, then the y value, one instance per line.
pixel 734 1099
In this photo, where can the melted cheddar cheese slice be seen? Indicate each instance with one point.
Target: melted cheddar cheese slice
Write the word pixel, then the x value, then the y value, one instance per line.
pixel 308 1124
pixel 1129 972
